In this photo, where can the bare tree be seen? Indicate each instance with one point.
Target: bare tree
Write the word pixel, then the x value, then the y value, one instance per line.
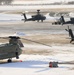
pixel 5 2
pixel 71 2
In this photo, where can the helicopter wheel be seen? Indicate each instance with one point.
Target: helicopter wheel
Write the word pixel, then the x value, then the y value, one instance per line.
pixel 17 55
pixel 37 20
pixel 9 61
pixel 41 20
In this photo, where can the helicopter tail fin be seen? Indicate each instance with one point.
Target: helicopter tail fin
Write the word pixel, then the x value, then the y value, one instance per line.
pixel 70 34
pixel 25 16
pixel 62 20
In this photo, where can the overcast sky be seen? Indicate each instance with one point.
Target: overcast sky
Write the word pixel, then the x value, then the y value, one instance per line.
pixel 47 0
pixel 60 0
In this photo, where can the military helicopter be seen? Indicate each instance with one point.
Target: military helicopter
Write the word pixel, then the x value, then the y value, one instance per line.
pixel 62 21
pixel 36 17
pixel 70 34
pixel 13 48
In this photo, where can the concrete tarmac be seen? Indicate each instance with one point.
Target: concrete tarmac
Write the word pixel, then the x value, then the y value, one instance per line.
pixel 33 27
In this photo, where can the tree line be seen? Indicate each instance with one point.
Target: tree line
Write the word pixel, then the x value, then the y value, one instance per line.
pixel 5 2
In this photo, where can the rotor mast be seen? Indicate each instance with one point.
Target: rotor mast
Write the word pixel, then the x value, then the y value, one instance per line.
pixel 13 39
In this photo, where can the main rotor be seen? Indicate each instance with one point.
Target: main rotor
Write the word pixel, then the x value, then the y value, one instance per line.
pixel 14 37
pixel 16 40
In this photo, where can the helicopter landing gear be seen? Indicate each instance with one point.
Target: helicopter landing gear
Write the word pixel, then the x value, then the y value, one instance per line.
pixel 9 60
pixel 37 20
pixel 41 20
pixel 17 55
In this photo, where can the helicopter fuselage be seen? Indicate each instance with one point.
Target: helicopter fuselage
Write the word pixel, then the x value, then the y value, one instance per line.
pixel 9 50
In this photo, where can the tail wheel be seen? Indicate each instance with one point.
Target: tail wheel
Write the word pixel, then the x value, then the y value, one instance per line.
pixel 41 20
pixel 37 20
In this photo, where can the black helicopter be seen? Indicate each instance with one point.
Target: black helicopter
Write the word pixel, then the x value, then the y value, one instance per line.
pixel 62 20
pixel 13 48
pixel 70 34
pixel 36 17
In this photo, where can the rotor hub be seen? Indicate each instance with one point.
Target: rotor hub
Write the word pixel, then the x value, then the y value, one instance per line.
pixel 14 37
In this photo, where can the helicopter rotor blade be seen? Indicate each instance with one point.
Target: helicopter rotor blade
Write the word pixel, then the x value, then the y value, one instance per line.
pixel 11 37
pixel 3 37
pixel 36 42
pixel 68 30
pixel 21 44
pixel 68 27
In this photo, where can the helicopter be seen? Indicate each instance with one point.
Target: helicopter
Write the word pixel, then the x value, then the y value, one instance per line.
pixel 36 17
pixel 70 34
pixel 66 22
pixel 13 47
pixel 62 21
